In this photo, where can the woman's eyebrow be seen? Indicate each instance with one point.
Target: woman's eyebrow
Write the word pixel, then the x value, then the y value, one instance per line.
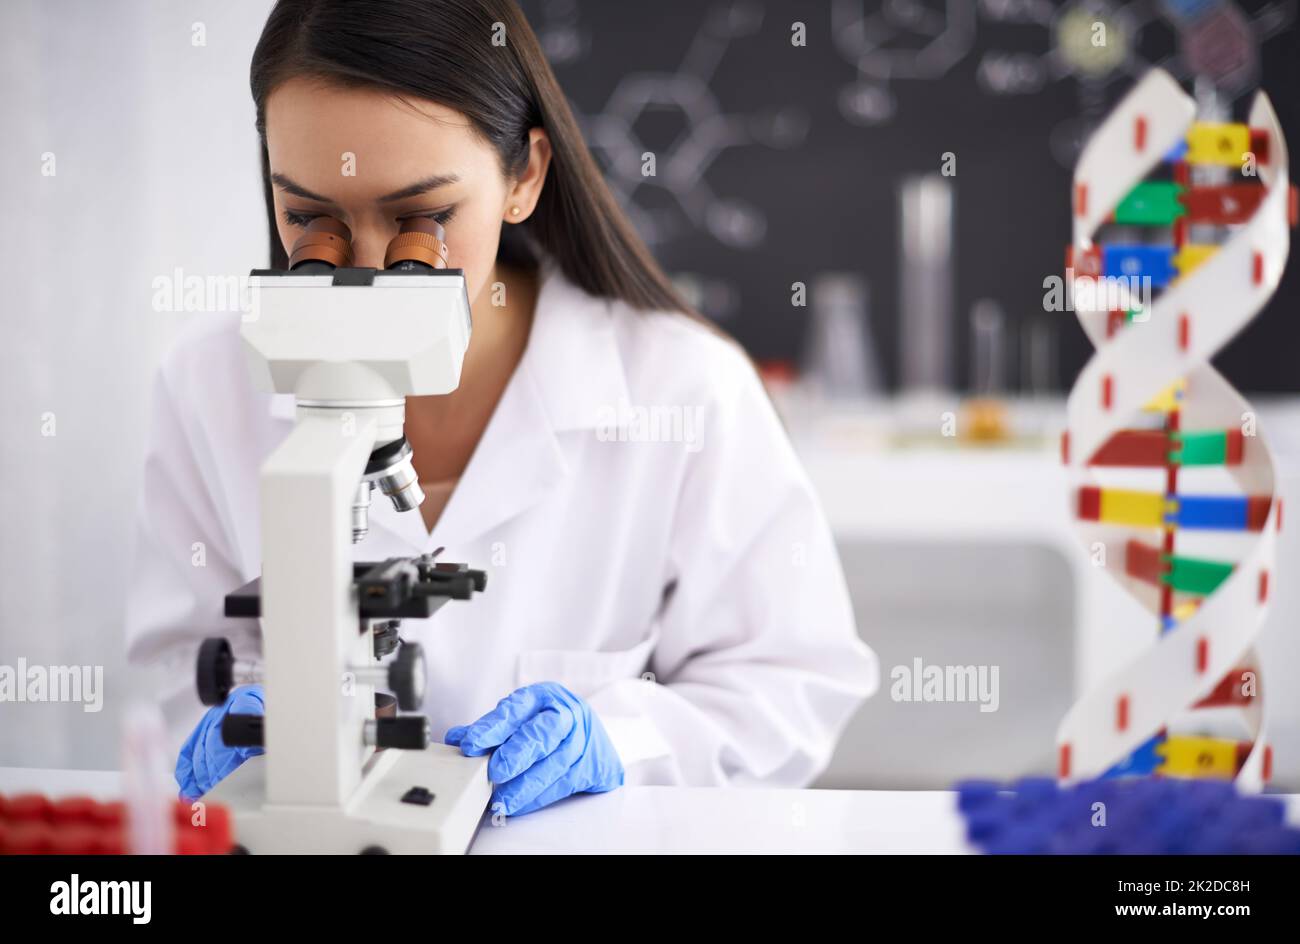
pixel 297 189
pixel 420 187
pixel 290 186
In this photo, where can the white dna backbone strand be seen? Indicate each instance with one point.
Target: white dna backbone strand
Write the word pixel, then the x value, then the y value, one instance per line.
pixel 1170 479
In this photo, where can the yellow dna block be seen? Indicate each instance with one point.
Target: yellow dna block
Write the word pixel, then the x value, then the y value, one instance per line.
pixel 1166 401
pixel 1191 256
pixel 1184 756
pixel 1222 144
pixel 1136 509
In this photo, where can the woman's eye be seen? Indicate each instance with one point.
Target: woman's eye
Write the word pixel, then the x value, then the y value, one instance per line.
pixel 298 219
pixel 441 217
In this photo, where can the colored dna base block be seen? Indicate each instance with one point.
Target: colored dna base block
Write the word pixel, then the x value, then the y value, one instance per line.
pixel 33 824
pixel 1123 817
pixel 1196 216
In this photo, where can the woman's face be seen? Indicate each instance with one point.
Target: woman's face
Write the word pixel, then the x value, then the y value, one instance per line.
pixel 372 161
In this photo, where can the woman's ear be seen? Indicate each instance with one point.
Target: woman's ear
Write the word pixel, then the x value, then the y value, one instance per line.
pixel 527 189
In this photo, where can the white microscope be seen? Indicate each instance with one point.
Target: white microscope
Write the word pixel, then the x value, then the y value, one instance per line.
pixel 350 344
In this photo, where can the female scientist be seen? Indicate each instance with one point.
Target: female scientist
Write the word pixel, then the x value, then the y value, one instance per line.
pixel 667 612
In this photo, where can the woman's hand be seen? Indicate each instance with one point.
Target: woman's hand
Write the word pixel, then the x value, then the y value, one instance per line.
pixel 548 745
pixel 204 759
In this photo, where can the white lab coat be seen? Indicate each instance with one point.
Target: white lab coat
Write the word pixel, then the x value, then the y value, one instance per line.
pixel 688 589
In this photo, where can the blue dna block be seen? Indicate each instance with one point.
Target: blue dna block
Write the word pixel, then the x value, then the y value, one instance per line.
pixel 1219 512
pixel 1141 763
pixel 1139 262
pixel 1177 152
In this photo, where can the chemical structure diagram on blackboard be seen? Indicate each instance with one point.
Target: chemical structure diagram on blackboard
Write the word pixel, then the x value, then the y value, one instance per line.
pixel 664 185
pixel 888 43
pixel 1094 42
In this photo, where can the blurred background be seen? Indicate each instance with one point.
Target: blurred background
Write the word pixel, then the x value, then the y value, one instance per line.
pixel 909 166
pixel 778 164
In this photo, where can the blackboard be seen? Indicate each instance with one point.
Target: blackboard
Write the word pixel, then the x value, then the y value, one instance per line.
pixel 816 146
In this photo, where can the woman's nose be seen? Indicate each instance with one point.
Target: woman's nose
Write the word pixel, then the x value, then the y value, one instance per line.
pixel 368 251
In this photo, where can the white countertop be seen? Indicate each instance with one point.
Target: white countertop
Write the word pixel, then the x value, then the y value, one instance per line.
pixel 667 819
pixel 717 820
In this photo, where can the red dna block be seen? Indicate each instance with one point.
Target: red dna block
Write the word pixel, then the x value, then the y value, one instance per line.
pixel 1142 561
pixel 1134 448
pixel 1236 449
pixel 1257 511
pixel 1228 691
pixel 1089 508
pixel 1259 145
pixel 1243 751
pixel 1086 263
pixel 1222 205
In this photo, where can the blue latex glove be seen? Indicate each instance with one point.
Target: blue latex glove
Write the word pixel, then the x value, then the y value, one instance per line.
pixel 548 745
pixel 204 759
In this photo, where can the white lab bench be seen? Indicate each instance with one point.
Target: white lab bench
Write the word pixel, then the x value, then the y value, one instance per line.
pixel 666 819
pixel 676 820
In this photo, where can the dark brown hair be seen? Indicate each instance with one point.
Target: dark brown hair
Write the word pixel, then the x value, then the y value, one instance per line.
pixel 443 51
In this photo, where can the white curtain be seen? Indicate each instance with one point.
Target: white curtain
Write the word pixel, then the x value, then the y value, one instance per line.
pixel 129 152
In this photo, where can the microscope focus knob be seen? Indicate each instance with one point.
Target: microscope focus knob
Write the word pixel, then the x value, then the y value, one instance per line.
pixel 406 676
pixel 216 670
pixel 407 733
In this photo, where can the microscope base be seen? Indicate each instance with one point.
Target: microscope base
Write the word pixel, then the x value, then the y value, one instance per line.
pixel 374 818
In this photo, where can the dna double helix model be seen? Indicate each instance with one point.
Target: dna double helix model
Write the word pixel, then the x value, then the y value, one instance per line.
pixel 1181 233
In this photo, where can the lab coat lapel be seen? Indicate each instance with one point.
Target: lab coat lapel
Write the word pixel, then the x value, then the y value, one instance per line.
pixel 516 464
pixel 569 370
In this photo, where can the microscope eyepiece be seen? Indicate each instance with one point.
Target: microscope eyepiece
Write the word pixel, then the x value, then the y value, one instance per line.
pixel 419 245
pixel 326 242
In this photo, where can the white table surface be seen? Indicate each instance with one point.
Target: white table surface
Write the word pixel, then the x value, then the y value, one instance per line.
pixel 666 819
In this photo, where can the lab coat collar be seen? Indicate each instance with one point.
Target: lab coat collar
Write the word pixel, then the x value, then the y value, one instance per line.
pixel 574 356
pixel 570 378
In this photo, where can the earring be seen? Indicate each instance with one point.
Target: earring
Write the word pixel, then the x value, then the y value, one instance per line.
pixel 514 211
